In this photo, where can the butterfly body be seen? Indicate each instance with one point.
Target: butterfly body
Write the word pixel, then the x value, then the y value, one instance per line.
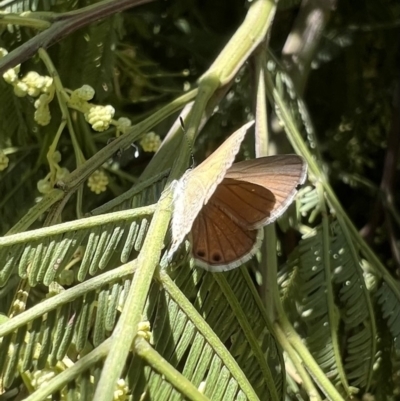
pixel 225 205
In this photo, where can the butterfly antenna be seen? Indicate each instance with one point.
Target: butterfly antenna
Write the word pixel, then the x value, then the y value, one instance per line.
pixel 187 140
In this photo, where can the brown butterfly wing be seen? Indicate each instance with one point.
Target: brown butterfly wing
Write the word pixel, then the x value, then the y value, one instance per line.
pixel 252 194
pixel 246 203
pixel 219 243
pixel 279 176
pixel 212 171
pixel 196 186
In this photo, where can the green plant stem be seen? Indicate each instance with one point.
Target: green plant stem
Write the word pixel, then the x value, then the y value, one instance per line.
pixel 208 84
pixel 307 359
pixel 65 120
pixel 305 377
pixel 81 224
pixel 65 115
pixel 66 297
pixel 251 33
pixel 73 372
pixel 131 315
pixel 14 19
pixel 157 362
pixel 205 330
pixel 261 123
pixel 248 332
pixel 271 271
pixel 261 144
pixel 279 334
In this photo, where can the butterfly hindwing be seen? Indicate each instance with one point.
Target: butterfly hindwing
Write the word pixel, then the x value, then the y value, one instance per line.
pixel 219 243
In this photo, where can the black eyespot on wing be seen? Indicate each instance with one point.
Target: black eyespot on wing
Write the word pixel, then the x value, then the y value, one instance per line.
pixel 216 257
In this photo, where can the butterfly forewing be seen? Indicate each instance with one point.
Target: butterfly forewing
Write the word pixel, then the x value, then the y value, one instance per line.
pixel 278 174
pixel 212 171
pixel 268 170
pixel 196 186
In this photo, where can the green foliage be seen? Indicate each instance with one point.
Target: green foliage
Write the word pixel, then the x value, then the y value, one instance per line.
pixel 78 289
pixel 309 298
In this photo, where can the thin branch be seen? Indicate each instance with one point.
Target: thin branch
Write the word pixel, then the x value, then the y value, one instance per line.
pixel 65 24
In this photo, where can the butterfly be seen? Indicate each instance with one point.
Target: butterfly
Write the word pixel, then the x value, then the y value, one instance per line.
pixel 224 205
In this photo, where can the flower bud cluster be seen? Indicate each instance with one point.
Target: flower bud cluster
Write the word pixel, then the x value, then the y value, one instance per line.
pixel 98 181
pixel 32 84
